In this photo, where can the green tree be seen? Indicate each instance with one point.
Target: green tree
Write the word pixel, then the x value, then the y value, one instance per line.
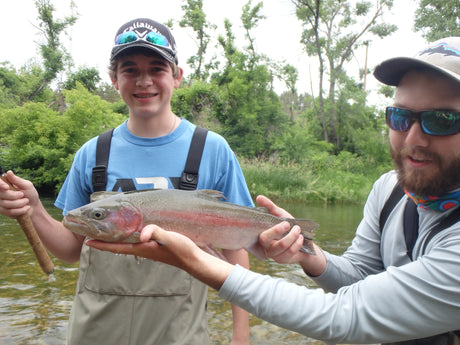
pixel 52 51
pixel 248 109
pixel 10 86
pixel 16 85
pixel 108 93
pixel 39 143
pixel 196 102
pixel 290 76
pixel 332 32
pixel 250 18
pixel 195 18
pixel 437 19
pixel 87 76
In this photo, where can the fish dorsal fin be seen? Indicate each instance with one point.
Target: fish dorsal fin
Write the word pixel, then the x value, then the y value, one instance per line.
pixel 102 195
pixel 262 209
pixel 105 194
pixel 214 194
pixel 136 191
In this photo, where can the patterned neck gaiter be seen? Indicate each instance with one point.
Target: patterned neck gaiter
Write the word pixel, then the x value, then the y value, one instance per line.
pixel 436 203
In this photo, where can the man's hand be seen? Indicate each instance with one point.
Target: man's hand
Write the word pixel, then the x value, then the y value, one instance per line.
pixel 286 249
pixel 155 244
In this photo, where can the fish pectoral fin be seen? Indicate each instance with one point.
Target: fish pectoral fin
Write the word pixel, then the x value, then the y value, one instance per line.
pixel 262 209
pixel 257 251
pixel 213 251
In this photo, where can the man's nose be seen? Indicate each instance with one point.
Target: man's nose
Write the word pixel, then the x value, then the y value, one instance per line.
pixel 415 135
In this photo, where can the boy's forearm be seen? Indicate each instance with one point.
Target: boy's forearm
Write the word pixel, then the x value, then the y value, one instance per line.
pixel 241 330
pixel 60 241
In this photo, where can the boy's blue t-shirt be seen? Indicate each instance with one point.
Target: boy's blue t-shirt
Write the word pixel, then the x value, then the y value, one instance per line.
pixel 147 163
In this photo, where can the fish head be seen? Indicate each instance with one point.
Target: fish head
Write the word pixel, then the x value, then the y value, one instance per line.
pixel 106 220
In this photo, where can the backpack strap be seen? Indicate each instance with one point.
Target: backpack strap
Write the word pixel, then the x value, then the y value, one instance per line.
pixel 410 217
pixel 390 204
pixel 445 223
pixel 99 174
pixel 189 178
pixel 410 226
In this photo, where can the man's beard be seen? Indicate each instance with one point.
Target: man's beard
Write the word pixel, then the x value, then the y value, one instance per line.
pixel 446 179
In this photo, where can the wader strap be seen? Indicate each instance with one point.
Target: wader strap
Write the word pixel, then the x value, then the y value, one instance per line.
pixel 99 176
pixel 189 178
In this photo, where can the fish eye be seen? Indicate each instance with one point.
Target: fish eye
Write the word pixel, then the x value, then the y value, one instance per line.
pixel 98 214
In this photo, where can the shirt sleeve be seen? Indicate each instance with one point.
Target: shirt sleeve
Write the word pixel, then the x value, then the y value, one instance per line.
pixel 408 302
pixel 222 165
pixel 76 190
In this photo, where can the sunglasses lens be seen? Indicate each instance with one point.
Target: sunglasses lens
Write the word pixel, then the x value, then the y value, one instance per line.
pixel 125 37
pixel 152 37
pixel 440 122
pixel 433 122
pixel 157 39
pixel 398 119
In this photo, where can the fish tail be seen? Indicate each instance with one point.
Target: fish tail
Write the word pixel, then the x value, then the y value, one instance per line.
pixel 307 246
pixel 307 226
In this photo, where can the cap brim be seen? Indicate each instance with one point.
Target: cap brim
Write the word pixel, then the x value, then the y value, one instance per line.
pixel 117 50
pixel 391 71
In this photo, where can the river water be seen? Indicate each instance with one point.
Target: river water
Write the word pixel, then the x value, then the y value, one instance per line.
pixel 34 307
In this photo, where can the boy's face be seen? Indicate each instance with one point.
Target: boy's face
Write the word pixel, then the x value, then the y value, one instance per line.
pixel 146 84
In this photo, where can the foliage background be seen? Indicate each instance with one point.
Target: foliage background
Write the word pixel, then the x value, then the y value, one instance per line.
pixel 329 147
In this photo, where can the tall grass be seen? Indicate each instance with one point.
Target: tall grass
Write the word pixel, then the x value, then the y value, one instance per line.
pixel 344 178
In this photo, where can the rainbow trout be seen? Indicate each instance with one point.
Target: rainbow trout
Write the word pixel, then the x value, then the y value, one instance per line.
pixel 199 215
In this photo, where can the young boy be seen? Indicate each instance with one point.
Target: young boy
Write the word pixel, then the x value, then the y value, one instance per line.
pixel 119 300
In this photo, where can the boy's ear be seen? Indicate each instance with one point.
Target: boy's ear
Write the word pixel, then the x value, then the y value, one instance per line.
pixel 178 78
pixel 114 83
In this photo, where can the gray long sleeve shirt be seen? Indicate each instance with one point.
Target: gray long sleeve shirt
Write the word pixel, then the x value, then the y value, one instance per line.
pixel 376 294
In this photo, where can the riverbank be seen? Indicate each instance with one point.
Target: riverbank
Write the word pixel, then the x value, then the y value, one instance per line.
pixel 340 179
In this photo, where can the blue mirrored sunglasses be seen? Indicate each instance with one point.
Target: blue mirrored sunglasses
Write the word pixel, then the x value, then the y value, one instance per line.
pixel 152 37
pixel 432 122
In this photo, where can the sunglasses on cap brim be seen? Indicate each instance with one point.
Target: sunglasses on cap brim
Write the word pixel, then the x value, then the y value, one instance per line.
pixel 152 37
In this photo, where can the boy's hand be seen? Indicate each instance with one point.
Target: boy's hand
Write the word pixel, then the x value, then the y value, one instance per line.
pixel 18 202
